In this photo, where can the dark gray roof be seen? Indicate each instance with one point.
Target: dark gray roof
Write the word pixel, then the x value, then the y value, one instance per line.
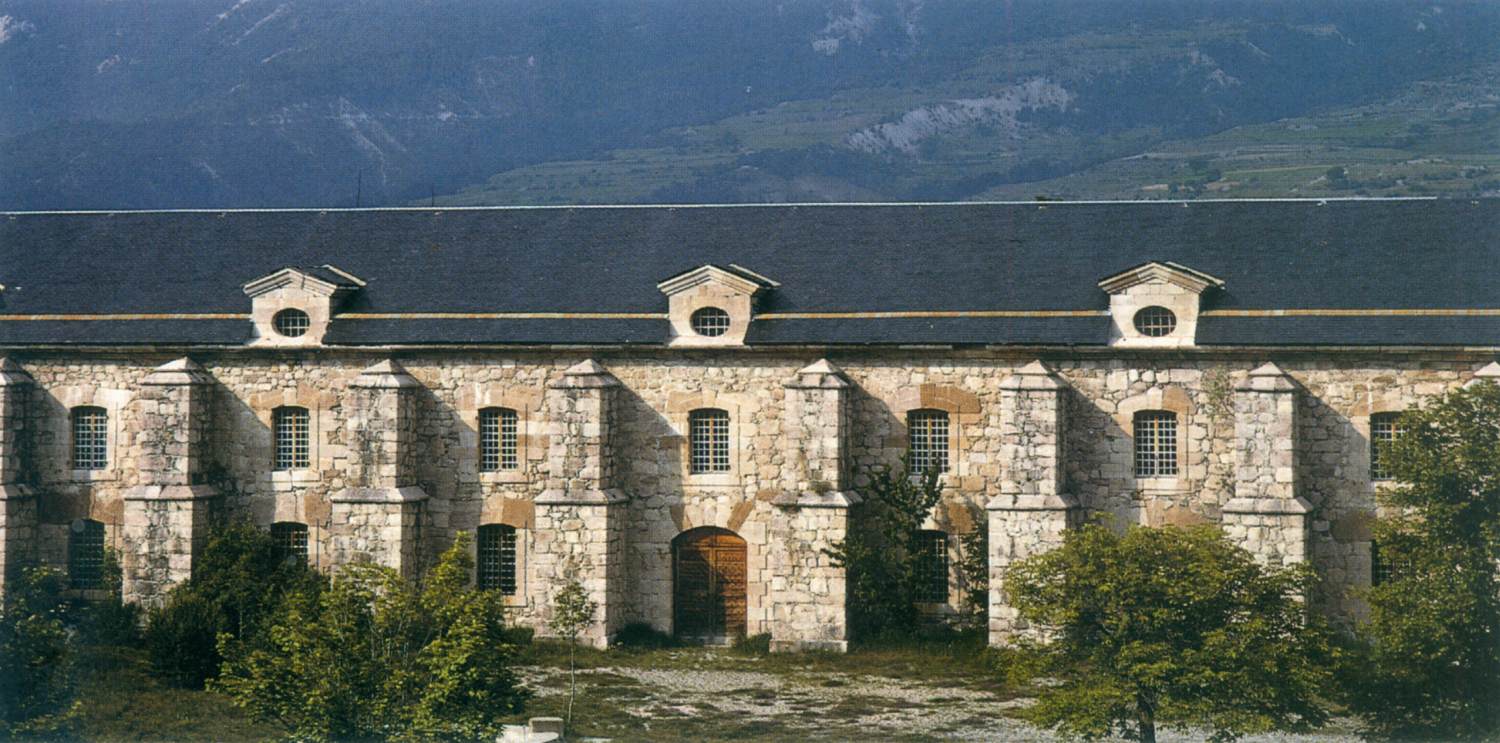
pixel 1274 255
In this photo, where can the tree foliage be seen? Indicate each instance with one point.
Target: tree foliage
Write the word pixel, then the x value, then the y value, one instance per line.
pixel 1434 628
pixel 376 657
pixel 572 612
pixel 1168 626
pixel 37 684
pixel 237 581
pixel 881 549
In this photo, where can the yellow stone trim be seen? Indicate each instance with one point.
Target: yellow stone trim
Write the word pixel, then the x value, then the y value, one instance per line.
pixel 927 314
pixel 501 316
pixel 140 316
pixel 1356 313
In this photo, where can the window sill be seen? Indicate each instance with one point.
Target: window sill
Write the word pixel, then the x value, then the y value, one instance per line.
pixel 293 477
pixel 504 477
pixel 1158 485
pixel 712 480
pixel 92 475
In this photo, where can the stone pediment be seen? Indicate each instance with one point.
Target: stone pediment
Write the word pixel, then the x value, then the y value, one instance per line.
pixel 1156 272
pixel 326 280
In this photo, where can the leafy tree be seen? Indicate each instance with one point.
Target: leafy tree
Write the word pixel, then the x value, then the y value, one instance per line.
pixel 974 566
pixel 376 657
pixel 37 686
pixel 572 611
pixel 1168 626
pixel 237 581
pixel 1434 628
pixel 881 552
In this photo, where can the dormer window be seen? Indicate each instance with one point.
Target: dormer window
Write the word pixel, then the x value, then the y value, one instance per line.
pixel 291 323
pixel 710 322
pixel 1155 322
pixel 712 306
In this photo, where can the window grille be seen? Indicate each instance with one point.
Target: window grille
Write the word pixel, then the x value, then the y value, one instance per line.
pixel 1384 567
pixel 291 541
pixel 86 555
pixel 927 439
pixel 497 439
pixel 1385 428
pixel 291 430
pixel 497 558
pixel 932 567
pixel 1155 322
pixel 90 438
pixel 291 323
pixel 1155 444
pixel 710 321
pixel 708 437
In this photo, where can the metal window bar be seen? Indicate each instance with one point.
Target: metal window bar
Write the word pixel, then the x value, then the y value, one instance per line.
pixel 90 438
pixel 497 558
pixel 291 541
pixel 710 321
pixel 292 323
pixel 498 440
pixel 708 436
pixel 1155 444
pixel 932 567
pixel 291 429
pixel 86 555
pixel 1385 428
pixel 927 439
pixel 1383 568
pixel 1155 322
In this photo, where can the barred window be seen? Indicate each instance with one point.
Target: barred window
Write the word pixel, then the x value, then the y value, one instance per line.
pixel 290 426
pixel 291 323
pixel 497 558
pixel 86 554
pixel 927 440
pixel 1155 443
pixel 497 439
pixel 1385 567
pixel 1155 322
pixel 932 567
pixel 291 541
pixel 1385 428
pixel 708 439
pixel 90 438
pixel 710 321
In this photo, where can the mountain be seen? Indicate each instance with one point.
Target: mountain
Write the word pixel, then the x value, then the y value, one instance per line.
pixel 143 104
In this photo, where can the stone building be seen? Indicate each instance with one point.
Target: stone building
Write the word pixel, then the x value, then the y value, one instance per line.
pixel 682 403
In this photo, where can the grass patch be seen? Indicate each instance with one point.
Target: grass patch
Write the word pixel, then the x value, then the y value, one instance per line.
pixel 124 702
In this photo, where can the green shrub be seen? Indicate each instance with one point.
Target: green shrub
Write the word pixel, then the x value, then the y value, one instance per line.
pixel 37 683
pixel 376 657
pixel 107 620
pixel 753 645
pixel 237 581
pixel 642 636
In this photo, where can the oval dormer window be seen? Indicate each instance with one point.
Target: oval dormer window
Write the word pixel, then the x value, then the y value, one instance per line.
pixel 1155 322
pixel 291 323
pixel 710 321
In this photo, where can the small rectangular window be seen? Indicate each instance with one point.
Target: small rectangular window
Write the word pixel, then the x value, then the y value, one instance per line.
pixel 1385 567
pixel 1155 444
pixel 1385 428
pixel 708 438
pixel 932 567
pixel 90 438
pixel 927 439
pixel 497 558
pixel 291 541
pixel 498 443
pixel 291 431
pixel 86 555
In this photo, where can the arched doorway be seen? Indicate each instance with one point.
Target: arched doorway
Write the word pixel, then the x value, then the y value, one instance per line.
pixel 708 585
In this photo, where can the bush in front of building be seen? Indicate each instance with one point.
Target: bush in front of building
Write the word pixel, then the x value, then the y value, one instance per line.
pixel 375 656
pixel 237 581
pixel 1168 626
pixel 1434 630
pixel 37 680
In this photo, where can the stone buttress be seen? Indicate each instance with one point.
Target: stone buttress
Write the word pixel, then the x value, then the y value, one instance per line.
pixel 17 500
pixel 809 600
pixel 167 516
pixel 580 516
pixel 377 518
pixel 1031 513
pixel 1266 515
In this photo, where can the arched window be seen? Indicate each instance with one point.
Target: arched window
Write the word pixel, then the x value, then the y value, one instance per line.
pixel 90 438
pixel 1155 443
pixel 291 541
pixel 708 441
pixel 927 440
pixel 497 558
pixel 932 566
pixel 290 427
pixel 1385 428
pixel 86 554
pixel 497 439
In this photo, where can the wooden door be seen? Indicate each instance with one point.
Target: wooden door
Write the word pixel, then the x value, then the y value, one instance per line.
pixel 709 585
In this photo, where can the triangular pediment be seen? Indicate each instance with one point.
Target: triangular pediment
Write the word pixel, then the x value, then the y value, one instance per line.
pixel 734 278
pixel 327 280
pixel 1161 272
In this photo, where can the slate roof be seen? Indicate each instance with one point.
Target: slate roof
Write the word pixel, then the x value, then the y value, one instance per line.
pixel 1357 255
